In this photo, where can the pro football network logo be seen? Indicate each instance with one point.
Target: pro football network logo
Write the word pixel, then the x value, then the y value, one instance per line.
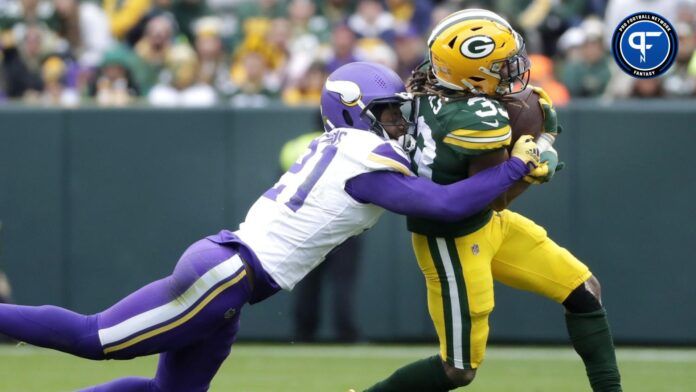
pixel 644 45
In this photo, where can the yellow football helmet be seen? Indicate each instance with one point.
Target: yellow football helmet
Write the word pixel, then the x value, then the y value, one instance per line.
pixel 477 51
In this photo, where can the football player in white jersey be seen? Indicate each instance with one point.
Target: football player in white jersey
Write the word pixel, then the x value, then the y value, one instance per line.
pixel 337 189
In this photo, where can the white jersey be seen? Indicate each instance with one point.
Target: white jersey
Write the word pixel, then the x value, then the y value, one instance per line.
pixel 307 213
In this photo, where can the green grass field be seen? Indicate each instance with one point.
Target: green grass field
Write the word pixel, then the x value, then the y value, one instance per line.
pixel 286 367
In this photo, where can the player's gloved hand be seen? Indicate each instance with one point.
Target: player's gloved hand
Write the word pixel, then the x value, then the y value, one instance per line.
pixel 550 160
pixel 550 118
pixel 538 174
pixel 526 150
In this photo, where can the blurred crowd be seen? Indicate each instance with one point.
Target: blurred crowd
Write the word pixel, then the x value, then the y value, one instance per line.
pixel 251 53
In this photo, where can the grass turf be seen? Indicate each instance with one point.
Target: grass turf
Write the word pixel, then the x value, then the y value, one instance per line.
pixel 286 367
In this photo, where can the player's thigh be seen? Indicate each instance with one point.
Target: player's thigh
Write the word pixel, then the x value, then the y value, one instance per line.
pixel 192 368
pixel 460 293
pixel 208 287
pixel 529 260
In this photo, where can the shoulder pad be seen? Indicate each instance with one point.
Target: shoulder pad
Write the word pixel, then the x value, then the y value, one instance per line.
pixel 476 125
pixel 375 153
pixel 389 156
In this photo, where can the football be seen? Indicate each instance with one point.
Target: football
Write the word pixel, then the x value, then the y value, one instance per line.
pixel 526 116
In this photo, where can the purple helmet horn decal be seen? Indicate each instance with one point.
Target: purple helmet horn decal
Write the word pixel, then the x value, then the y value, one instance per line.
pixel 347 90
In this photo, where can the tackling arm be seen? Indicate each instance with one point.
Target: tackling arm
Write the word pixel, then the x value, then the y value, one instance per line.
pixel 420 197
pixel 485 161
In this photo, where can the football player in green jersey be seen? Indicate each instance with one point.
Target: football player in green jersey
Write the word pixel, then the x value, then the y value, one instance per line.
pixel 475 59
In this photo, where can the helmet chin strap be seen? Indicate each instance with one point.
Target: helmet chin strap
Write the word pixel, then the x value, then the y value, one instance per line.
pixel 469 86
pixel 330 124
pixel 381 129
pixel 447 84
pixel 375 126
pixel 407 142
pixel 489 72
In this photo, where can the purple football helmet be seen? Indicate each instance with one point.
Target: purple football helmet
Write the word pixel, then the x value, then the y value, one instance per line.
pixel 353 92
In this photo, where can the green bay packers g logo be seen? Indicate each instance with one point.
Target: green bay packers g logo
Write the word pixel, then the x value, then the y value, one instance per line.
pixel 477 47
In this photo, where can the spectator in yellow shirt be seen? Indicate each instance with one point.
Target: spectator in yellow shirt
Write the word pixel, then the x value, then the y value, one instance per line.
pixel 125 14
pixel 307 91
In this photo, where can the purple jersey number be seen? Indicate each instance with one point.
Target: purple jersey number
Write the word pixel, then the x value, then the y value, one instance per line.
pixel 327 155
pixel 298 199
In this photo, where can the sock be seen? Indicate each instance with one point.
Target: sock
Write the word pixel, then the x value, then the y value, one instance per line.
pixel 591 338
pixel 424 375
pixel 128 384
pixel 52 327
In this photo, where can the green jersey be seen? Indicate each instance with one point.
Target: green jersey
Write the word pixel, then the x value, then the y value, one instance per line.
pixel 450 133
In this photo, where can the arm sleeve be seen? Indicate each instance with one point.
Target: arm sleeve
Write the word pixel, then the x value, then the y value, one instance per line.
pixel 420 197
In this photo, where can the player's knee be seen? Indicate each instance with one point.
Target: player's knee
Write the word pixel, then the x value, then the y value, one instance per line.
pixel 585 298
pixel 77 335
pixel 459 377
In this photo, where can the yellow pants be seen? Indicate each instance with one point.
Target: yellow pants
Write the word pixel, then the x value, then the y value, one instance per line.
pixel 459 273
